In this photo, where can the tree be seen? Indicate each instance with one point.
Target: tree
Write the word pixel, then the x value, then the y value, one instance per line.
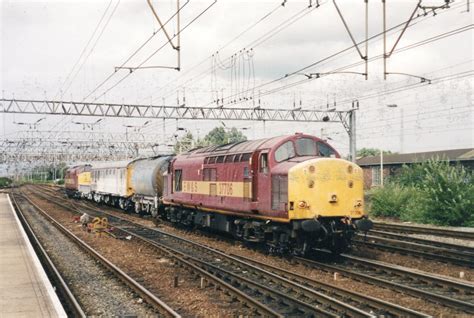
pixel 184 143
pixel 235 135
pixel 217 136
pixel 366 152
pixel 221 136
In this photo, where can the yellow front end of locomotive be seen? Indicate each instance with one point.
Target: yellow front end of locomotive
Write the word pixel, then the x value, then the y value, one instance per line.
pixel 325 187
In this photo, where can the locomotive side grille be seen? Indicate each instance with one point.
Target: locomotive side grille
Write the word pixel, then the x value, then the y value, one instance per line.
pixel 212 189
pixel 246 189
pixel 279 191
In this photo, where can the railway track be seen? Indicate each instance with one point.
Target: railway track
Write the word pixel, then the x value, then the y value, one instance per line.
pixel 413 229
pixel 288 296
pixel 429 249
pixel 150 298
pixel 442 290
pixel 68 300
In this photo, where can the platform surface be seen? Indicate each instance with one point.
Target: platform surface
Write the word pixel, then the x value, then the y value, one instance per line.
pixel 25 290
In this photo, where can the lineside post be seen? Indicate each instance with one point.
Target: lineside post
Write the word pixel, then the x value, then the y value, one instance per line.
pixel 352 130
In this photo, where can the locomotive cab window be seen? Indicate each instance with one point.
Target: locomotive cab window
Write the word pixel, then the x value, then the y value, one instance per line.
pixel 306 147
pixel 285 152
pixel 325 151
pixel 264 162
pixel 178 180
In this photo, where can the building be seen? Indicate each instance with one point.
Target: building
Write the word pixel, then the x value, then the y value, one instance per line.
pixel 392 163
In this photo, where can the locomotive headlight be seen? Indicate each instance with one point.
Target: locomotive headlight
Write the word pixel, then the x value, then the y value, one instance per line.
pixel 302 204
pixel 333 198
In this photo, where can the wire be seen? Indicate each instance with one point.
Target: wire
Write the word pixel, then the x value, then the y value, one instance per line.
pixel 133 54
pixel 324 60
pixel 148 58
pixel 85 47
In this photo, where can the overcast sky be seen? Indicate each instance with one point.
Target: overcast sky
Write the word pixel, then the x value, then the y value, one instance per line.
pixel 41 41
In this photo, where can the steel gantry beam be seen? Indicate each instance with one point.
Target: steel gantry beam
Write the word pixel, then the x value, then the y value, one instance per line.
pixel 48 107
pixel 50 146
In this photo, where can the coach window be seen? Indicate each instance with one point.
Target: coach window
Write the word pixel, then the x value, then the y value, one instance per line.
pixel 178 181
pixel 220 159
pixel 264 162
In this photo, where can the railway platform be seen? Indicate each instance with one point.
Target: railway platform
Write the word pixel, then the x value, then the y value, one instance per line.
pixel 25 290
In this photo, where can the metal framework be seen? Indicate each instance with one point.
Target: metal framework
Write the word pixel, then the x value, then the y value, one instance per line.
pixel 55 146
pixel 48 107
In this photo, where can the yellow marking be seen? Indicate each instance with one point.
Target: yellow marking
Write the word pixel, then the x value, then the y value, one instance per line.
pixel 214 188
pixel 331 176
pixel 99 225
pixel 129 172
pixel 84 178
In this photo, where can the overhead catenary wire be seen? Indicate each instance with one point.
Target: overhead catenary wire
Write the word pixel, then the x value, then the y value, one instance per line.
pixel 284 87
pixel 149 57
pixel 133 54
pixel 257 42
pixel 84 48
pixel 378 35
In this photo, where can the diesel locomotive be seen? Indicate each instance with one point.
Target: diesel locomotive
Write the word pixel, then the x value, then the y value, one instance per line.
pixel 292 193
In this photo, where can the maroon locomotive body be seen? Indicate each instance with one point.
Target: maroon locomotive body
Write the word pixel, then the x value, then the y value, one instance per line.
pixel 77 181
pixel 236 178
pixel 292 192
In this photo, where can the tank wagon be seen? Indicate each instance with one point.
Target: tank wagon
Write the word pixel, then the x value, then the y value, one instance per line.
pixel 77 181
pixel 145 182
pixel 292 192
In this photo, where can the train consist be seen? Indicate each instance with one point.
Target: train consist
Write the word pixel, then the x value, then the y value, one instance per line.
pixel 293 193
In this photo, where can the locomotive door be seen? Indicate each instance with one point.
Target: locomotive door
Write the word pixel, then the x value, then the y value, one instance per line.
pixel 254 168
pixel 260 172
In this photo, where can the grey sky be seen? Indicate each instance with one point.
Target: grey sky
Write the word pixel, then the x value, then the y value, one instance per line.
pixel 41 41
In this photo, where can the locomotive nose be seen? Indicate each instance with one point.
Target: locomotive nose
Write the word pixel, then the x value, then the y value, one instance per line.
pixel 329 187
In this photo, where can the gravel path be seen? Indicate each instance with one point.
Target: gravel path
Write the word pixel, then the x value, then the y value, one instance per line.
pixel 99 292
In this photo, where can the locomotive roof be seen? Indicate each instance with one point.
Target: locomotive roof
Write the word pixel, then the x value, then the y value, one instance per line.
pixel 242 146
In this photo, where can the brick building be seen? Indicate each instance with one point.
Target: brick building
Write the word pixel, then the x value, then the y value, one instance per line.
pixel 392 163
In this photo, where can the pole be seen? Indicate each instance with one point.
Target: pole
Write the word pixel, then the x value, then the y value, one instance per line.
pixel 352 134
pixel 381 167
pixel 401 130
pixel 366 39
pixel 384 42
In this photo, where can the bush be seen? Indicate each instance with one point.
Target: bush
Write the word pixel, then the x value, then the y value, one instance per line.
pixel 389 201
pixel 450 192
pixel 5 182
pixel 430 192
pixel 405 203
